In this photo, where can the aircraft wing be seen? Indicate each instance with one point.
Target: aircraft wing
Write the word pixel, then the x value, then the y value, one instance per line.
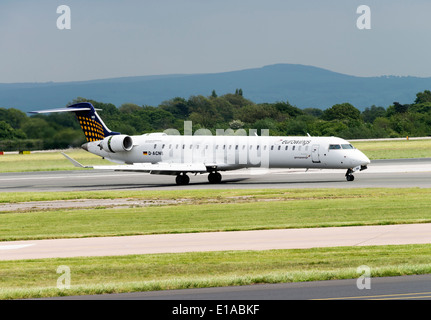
pixel 153 168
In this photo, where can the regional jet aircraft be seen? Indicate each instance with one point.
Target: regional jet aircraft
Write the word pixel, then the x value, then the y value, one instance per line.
pixel 179 155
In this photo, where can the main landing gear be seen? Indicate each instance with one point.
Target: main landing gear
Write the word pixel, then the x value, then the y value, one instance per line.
pixel 214 177
pixel 182 179
pixel 349 175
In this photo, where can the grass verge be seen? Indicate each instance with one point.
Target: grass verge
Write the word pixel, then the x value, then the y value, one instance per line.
pixel 226 210
pixel 397 149
pixel 99 275
pixel 47 161
pixel 211 210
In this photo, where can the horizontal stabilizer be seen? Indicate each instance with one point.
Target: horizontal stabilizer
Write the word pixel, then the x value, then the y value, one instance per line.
pixel 61 110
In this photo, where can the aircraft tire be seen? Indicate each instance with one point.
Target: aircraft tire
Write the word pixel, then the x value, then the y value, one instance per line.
pixel 350 177
pixel 182 179
pixel 214 177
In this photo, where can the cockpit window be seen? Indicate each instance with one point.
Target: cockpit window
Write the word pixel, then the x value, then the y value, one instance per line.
pixel 347 146
pixel 334 146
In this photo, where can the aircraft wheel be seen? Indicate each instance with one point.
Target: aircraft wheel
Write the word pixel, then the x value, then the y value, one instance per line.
pixel 182 179
pixel 350 177
pixel 214 177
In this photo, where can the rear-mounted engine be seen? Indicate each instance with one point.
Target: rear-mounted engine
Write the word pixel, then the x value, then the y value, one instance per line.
pixel 117 143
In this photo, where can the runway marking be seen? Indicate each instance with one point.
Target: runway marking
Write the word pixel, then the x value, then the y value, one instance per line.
pixel 15 246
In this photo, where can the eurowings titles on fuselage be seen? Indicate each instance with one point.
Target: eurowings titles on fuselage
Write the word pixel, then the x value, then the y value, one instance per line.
pixel 180 155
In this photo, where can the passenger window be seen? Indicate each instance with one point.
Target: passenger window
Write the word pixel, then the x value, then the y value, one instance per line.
pixel 285 148
pixel 279 147
pixel 293 148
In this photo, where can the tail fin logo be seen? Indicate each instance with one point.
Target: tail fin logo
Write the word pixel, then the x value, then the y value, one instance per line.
pixel 92 125
pixel 92 129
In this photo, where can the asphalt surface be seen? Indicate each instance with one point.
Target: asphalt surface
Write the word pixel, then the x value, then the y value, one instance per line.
pixel 416 287
pixel 380 174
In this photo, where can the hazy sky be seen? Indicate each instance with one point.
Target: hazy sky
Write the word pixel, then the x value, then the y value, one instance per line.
pixel 148 37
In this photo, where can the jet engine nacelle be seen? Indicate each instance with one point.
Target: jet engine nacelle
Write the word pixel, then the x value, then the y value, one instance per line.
pixel 117 143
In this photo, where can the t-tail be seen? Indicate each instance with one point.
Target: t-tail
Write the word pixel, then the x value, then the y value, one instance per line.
pixel 93 126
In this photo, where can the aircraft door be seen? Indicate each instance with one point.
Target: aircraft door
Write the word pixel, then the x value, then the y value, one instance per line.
pixel 315 158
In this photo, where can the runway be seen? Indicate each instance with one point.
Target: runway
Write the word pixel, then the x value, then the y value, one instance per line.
pixel 404 173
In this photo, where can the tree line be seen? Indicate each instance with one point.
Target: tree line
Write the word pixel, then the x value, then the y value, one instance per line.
pixel 232 110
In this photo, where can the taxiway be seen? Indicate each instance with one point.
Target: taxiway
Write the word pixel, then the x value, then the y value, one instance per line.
pixel 403 173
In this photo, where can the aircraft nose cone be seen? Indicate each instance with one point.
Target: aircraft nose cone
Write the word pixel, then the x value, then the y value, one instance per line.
pixel 365 159
pixel 362 159
pixel 358 159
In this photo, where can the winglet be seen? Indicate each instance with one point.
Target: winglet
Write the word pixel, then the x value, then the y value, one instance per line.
pixel 74 162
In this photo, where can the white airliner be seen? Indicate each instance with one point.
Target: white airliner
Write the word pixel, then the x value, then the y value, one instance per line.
pixel 160 153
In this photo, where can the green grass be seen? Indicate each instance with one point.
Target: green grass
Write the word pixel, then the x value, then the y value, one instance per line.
pixel 47 161
pixel 97 275
pixel 397 149
pixel 211 210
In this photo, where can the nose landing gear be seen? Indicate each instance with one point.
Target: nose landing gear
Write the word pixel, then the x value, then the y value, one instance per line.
pixel 349 175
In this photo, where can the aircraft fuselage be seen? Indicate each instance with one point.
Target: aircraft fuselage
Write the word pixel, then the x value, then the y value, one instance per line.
pixel 235 152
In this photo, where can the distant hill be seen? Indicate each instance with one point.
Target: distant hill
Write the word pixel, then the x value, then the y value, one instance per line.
pixel 303 86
